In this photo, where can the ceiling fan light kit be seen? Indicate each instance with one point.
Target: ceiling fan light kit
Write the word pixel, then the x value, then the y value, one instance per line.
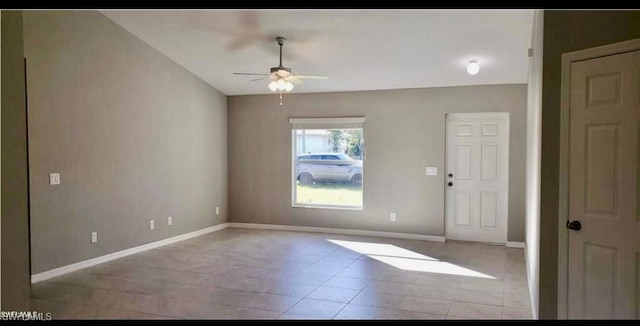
pixel 280 85
pixel 281 77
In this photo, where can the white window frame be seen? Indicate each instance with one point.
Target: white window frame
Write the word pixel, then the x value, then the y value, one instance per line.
pixel 324 123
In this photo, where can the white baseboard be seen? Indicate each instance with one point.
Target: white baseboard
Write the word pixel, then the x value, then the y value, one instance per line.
pixel 515 244
pixel 127 252
pixel 338 231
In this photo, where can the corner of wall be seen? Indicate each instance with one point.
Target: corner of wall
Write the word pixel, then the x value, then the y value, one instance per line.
pixel 533 154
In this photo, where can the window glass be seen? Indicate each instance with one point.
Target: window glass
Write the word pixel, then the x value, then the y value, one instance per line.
pixel 329 169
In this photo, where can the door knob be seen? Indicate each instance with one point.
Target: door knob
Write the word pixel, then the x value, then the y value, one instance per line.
pixel 450 175
pixel 450 184
pixel 574 225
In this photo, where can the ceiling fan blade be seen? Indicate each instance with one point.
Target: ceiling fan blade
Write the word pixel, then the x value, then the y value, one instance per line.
pixel 249 74
pixel 294 80
pixel 311 77
pixel 263 78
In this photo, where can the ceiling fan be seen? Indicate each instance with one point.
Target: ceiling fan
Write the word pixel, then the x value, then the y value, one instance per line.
pixel 282 79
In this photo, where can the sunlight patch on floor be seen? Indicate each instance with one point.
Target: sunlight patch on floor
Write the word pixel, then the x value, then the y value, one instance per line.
pixel 406 259
pixel 380 249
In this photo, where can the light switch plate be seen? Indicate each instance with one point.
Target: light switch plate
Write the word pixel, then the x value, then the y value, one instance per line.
pixel 170 220
pixel 152 225
pixel 94 237
pixel 54 178
pixel 431 170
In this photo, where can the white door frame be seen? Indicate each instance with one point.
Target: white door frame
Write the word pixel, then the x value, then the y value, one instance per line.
pixel 563 203
pixel 500 116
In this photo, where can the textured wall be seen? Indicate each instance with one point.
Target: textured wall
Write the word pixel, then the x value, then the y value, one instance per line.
pixel 15 191
pixel 134 136
pixel 404 132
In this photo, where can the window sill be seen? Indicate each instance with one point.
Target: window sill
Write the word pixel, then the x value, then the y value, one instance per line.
pixel 348 208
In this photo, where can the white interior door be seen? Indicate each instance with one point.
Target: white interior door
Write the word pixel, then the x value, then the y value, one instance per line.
pixel 603 178
pixel 477 177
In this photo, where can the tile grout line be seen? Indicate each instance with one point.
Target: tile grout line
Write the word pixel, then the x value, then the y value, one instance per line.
pixel 503 290
pixel 322 284
pixel 453 299
pixel 156 296
pixel 163 295
pixel 353 262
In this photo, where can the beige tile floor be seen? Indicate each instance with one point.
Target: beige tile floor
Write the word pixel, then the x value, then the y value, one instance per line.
pixel 263 274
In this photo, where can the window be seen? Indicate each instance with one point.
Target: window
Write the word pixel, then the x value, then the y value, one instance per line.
pixel 328 157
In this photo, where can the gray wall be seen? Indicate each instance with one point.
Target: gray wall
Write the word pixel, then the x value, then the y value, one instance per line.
pixel 15 191
pixel 134 135
pixel 565 31
pixel 404 132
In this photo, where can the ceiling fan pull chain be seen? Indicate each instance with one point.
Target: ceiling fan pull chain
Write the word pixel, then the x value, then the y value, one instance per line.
pixel 280 97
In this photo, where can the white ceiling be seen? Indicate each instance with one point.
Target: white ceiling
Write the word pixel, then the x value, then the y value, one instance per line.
pixel 357 49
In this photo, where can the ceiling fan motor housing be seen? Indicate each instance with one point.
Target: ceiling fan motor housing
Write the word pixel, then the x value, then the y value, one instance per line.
pixel 281 71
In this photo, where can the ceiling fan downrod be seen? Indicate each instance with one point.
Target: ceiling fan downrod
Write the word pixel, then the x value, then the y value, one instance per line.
pixel 281 41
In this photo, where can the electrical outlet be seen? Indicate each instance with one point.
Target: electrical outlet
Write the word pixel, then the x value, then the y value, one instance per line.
pixel 217 210
pixel 393 217
pixel 94 237
pixel 170 220
pixel 151 225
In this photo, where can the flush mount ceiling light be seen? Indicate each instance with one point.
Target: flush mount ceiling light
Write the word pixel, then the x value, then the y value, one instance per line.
pixel 473 67
pixel 281 77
